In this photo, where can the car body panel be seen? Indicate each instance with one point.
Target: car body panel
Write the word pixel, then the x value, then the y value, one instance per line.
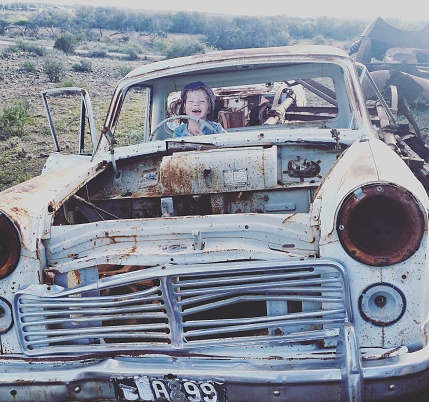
pixel 284 258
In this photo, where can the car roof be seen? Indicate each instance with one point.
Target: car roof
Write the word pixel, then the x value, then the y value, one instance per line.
pixel 239 56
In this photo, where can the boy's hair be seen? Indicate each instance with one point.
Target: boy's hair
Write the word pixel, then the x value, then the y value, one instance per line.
pixel 192 87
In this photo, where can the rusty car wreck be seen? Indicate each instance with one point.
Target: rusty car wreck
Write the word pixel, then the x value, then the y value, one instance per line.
pixel 284 259
pixel 397 59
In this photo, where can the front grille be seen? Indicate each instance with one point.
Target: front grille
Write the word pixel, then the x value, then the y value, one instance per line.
pixel 186 308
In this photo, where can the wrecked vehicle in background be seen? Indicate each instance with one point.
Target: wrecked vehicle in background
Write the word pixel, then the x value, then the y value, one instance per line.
pixel 381 46
pixel 398 61
pixel 283 259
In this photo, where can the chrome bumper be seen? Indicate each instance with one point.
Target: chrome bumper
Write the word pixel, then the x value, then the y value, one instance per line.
pixel 344 378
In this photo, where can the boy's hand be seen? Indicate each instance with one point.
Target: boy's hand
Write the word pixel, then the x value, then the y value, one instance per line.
pixel 193 130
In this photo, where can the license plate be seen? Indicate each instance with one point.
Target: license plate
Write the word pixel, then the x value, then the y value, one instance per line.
pixel 148 389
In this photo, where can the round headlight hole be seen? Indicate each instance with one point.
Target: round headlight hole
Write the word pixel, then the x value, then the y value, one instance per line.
pixel 381 226
pixel 10 246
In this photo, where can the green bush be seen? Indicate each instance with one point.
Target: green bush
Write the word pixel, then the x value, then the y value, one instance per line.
pixel 28 67
pixel 319 40
pixel 14 118
pixel 185 46
pixel 22 46
pixel 132 51
pixel 132 54
pixel 84 66
pixel 16 172
pixel 33 48
pixel 65 43
pixel 104 39
pixel 97 53
pixel 116 49
pixel 68 82
pixel 10 50
pixel 54 69
pixel 124 70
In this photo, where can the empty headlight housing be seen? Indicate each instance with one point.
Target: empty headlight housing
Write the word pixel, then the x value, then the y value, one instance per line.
pixel 380 224
pixel 10 246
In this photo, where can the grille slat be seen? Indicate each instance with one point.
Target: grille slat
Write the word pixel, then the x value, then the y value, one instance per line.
pixel 256 326
pixel 83 333
pixel 93 318
pixel 200 287
pixel 187 307
pixel 292 318
pixel 268 296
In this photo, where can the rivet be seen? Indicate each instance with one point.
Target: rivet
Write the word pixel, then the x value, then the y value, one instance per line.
pixel 276 392
pixel 77 389
pixel 392 387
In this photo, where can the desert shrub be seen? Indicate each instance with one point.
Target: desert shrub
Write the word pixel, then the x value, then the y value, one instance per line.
pixel 104 39
pixel 132 54
pixel 84 66
pixel 65 43
pixel 14 118
pixel 132 51
pixel 101 53
pixel 16 172
pixel 10 50
pixel 319 40
pixel 124 69
pixel 54 69
pixel 185 46
pixel 114 48
pixel 31 48
pixel 68 82
pixel 28 66
pixel 22 46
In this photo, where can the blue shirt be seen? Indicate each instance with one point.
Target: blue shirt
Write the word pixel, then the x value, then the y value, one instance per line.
pixel 180 131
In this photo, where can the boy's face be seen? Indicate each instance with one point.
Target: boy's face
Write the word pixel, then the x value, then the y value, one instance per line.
pixel 197 104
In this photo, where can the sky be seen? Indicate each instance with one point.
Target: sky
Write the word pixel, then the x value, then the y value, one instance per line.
pixel 409 10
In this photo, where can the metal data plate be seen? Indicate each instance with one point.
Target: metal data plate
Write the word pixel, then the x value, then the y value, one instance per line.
pixel 148 389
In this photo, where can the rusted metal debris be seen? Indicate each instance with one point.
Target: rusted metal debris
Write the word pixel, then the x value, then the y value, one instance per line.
pixel 396 57
pixel 382 46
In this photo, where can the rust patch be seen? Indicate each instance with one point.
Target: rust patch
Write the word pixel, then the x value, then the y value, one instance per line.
pixel 74 278
pixel 177 173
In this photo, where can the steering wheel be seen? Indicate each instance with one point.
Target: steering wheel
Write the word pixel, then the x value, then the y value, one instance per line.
pixel 203 123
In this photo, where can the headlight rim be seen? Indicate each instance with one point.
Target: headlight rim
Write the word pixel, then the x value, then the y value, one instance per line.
pixel 399 197
pixel 9 239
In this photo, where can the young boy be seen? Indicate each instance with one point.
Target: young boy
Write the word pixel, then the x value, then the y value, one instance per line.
pixel 198 101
